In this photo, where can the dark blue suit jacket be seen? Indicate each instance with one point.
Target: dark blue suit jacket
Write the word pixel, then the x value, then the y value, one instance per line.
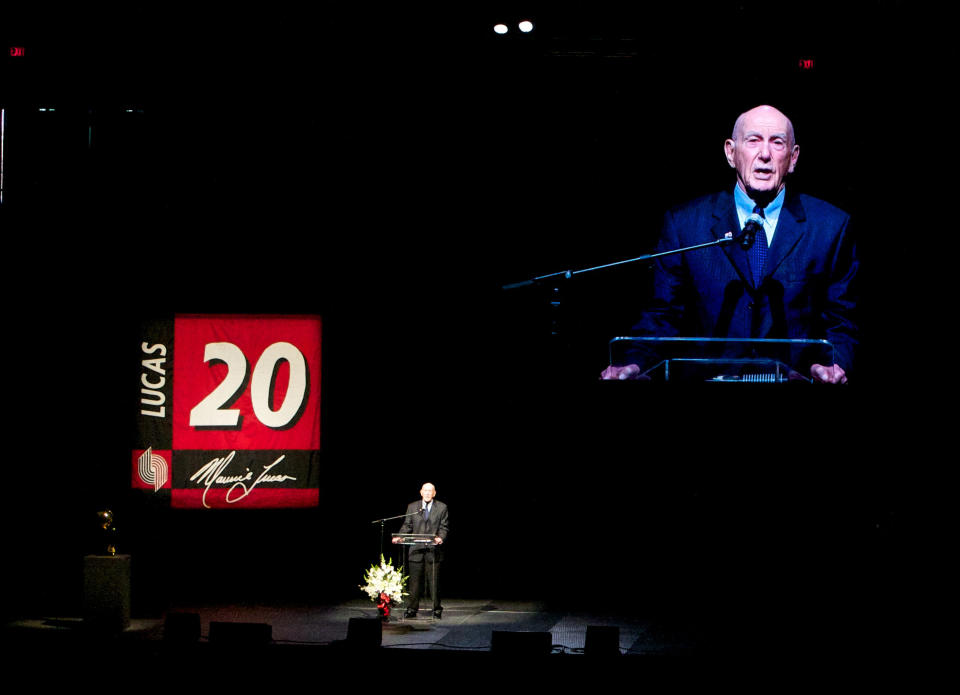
pixel 808 289
pixel 437 525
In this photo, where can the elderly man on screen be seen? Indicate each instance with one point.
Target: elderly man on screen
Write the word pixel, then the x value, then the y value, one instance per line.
pixel 796 280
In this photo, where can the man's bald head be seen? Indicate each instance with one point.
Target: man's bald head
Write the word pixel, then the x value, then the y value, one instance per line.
pixel 760 111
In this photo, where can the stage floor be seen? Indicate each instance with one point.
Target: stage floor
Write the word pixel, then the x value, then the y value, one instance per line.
pixel 313 640
pixel 466 626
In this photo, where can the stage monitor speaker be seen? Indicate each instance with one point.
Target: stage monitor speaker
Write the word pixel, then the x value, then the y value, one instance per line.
pixel 364 632
pixel 521 643
pixel 240 634
pixel 182 627
pixel 602 640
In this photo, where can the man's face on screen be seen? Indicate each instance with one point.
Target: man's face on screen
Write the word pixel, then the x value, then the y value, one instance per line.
pixel 427 492
pixel 763 151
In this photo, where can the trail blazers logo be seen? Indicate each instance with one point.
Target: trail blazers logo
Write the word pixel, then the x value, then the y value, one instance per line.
pixel 151 469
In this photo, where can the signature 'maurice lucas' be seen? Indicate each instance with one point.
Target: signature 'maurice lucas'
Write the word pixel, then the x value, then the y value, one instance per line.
pixel 212 474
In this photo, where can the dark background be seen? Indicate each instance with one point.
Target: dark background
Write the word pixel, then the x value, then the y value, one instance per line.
pixel 392 171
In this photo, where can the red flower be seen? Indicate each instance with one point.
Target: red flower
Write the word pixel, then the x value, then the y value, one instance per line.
pixel 384 604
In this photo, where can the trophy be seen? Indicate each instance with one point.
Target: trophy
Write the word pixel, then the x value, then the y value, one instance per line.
pixel 107 534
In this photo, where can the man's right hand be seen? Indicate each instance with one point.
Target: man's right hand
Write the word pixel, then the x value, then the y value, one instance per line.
pixel 611 373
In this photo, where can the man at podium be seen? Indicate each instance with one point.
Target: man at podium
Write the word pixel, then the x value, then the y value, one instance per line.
pixel 791 271
pixel 427 516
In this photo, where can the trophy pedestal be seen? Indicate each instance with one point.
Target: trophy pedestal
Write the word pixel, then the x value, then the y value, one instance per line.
pixel 106 592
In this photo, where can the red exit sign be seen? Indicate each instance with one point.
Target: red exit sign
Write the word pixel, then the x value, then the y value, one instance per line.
pixel 17 51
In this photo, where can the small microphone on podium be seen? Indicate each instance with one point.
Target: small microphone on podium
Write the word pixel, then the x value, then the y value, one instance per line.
pixel 752 227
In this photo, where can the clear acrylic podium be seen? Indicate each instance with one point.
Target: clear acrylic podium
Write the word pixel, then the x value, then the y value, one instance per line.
pixel 722 360
pixel 417 540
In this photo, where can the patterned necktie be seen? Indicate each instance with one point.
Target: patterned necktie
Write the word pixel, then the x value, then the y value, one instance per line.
pixel 757 255
pixel 426 512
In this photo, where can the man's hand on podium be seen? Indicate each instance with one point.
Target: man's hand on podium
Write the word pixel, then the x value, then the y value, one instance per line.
pixel 828 375
pixel 630 371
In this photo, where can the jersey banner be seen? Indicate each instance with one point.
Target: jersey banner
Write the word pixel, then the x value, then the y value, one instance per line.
pixel 228 414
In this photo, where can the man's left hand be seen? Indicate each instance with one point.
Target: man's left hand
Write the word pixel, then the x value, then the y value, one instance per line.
pixel 828 375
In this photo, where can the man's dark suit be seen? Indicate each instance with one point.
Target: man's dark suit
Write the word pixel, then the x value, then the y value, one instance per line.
pixel 808 288
pixel 420 561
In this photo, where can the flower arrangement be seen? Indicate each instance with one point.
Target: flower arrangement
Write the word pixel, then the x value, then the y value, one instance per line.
pixel 385 584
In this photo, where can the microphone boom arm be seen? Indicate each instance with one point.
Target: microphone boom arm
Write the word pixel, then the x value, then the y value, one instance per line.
pixel 567 274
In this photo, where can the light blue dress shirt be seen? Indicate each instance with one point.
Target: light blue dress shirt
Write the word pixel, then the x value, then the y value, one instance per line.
pixel 771 213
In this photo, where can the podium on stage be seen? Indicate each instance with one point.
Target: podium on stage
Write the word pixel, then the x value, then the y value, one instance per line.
pixel 722 360
pixel 415 539
pixel 411 541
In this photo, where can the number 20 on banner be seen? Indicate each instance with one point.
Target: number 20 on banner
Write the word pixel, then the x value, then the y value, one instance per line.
pixel 246 383
pixel 212 410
